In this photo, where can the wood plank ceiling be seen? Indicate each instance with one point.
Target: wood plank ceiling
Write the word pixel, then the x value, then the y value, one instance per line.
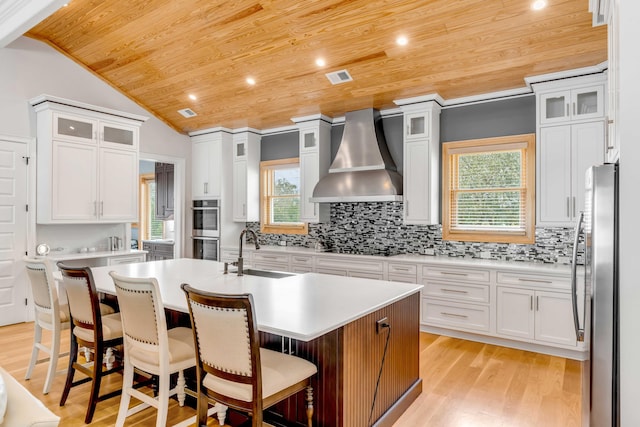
pixel 158 52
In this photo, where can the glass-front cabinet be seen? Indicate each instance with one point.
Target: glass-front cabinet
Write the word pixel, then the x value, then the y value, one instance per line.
pixel 417 125
pixel 74 128
pixel 575 104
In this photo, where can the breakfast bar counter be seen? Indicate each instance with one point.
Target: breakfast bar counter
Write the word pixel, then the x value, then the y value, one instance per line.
pixel 332 321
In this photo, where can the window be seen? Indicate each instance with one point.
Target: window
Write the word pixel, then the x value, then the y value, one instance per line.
pixel 280 197
pixel 489 190
pixel 151 227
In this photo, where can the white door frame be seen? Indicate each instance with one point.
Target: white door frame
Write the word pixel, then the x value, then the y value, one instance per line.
pixel 179 198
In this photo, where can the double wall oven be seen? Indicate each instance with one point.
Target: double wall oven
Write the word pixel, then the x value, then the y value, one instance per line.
pixel 206 229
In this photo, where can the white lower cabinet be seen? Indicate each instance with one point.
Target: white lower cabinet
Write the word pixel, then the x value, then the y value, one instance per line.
pixel 457 298
pixel 270 261
pixel 544 316
pixel 449 314
pixel 350 266
pixel 127 259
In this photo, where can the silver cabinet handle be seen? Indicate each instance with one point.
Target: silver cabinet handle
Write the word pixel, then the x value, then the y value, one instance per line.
pixel 244 209
pixel 574 205
pixel 206 188
pixel 459 316
pixel 449 273
pixel 269 257
pixel 531 302
pixel 568 211
pixel 101 208
pixel 537 303
pixel 574 108
pixel 95 207
pixel 453 291
pixel 401 268
pixel 567 110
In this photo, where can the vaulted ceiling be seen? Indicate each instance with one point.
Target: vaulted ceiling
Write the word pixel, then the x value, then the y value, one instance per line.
pixel 157 52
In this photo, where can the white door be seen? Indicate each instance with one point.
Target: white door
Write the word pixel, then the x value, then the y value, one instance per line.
pixel 118 189
pixel 587 150
pixel 554 191
pixel 554 318
pixel 515 317
pixel 13 232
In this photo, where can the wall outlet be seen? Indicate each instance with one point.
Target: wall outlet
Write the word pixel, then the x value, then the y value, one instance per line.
pixel 282 243
pixel 429 251
pixel 381 324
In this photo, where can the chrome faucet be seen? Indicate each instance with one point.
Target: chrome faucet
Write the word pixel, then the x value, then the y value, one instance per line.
pixel 240 262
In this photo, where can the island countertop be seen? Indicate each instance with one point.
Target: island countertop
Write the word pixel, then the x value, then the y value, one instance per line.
pixel 303 306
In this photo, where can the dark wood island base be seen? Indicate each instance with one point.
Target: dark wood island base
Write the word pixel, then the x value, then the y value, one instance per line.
pixel 349 361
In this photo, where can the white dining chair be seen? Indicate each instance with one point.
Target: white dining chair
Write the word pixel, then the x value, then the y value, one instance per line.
pixel 49 315
pixel 150 347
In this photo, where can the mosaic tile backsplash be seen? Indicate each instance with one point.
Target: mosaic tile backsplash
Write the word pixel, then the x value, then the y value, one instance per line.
pixel 377 229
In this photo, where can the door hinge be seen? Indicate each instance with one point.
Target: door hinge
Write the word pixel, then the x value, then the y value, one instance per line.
pixel 26 159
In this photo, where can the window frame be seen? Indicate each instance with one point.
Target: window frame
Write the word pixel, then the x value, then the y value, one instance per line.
pixel 266 168
pixel 485 145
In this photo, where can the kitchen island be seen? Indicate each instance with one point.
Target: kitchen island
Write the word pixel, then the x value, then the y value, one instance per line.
pixel 332 321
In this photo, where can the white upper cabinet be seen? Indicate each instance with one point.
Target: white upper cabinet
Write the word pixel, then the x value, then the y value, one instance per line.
pixel 417 124
pixel 566 148
pixel 421 165
pixel 581 103
pixel 246 176
pixel 315 147
pixel 208 155
pixel 87 163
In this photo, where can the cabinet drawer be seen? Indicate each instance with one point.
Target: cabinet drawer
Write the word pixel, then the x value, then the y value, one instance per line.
pixel 349 264
pixel 332 271
pixel 532 279
pixel 456 273
pixel 366 275
pixel 402 278
pixel 459 292
pixel 270 266
pixel 408 270
pixel 305 260
pixel 455 315
pixel 259 256
pixel 126 259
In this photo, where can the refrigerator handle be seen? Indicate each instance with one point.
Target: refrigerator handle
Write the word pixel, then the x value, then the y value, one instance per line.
pixel 574 279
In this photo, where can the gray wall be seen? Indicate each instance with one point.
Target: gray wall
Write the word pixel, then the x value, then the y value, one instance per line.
pixel 489 119
pixel 280 146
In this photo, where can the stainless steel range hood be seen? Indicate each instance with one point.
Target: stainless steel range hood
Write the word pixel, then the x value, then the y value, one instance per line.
pixel 363 170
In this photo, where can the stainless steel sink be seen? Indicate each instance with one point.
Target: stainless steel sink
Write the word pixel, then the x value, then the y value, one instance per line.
pixel 266 273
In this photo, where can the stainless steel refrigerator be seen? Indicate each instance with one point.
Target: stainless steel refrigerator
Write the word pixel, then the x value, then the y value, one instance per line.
pixel 598 322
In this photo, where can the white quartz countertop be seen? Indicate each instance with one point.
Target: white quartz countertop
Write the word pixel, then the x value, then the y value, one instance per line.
pixel 304 306
pixel 90 255
pixel 536 267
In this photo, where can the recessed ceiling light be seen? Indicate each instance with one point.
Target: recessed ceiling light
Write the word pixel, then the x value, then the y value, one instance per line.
pixel 320 62
pixel 402 41
pixel 251 81
pixel 539 4
pixel 192 97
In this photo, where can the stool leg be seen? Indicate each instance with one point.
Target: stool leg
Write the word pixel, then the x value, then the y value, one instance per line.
pixel 73 357
pixel 180 388
pixel 309 405
pixel 37 338
pixel 96 379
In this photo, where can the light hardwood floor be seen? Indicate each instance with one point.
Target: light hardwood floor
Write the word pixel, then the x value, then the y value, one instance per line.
pixel 465 384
